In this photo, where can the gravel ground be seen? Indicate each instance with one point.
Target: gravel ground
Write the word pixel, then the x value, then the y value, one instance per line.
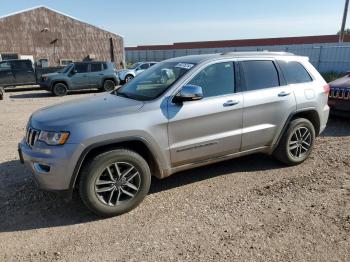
pixel 248 209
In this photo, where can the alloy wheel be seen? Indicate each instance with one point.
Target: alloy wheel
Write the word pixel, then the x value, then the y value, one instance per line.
pixel 300 142
pixel 117 184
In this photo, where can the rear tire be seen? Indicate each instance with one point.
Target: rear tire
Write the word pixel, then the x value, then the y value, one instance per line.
pixel 60 89
pixel 114 182
pixel 296 143
pixel 108 85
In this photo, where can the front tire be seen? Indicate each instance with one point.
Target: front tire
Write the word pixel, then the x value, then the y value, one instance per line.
pixel 296 143
pixel 129 78
pixel 114 182
pixel 59 89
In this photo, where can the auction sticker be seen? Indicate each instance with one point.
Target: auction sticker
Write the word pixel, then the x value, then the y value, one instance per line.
pixel 184 65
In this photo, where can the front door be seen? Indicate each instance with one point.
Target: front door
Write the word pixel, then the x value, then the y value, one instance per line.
pixel 268 102
pixel 6 75
pixel 80 78
pixel 211 127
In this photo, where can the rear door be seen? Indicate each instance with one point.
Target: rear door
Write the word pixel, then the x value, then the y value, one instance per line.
pixel 23 72
pixel 80 79
pixel 268 102
pixel 6 75
pixel 210 127
pixel 96 74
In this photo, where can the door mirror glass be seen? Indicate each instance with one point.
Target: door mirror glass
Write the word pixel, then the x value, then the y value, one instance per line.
pixel 189 93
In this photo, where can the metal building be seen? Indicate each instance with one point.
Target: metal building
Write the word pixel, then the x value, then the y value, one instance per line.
pixel 324 51
pixel 53 38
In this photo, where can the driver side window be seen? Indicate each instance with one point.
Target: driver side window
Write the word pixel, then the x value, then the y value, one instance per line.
pixel 144 66
pixel 216 80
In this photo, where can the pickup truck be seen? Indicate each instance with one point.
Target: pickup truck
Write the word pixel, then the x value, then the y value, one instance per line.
pixel 21 72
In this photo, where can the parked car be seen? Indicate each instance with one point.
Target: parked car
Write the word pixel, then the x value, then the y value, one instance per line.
pixel 81 75
pixel 181 113
pixel 1 93
pixel 339 96
pixel 127 74
pixel 19 72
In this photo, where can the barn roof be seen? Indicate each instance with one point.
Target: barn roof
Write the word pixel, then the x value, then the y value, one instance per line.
pixel 58 12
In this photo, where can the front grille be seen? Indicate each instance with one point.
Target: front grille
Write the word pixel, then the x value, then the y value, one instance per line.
pixel 340 93
pixel 31 136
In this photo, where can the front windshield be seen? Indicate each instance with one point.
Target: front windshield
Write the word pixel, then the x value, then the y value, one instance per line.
pixel 133 66
pixel 65 69
pixel 154 81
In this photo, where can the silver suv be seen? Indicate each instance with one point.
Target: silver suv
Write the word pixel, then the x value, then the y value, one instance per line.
pixel 131 72
pixel 180 114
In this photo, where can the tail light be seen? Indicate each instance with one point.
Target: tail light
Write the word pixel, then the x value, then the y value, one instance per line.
pixel 326 89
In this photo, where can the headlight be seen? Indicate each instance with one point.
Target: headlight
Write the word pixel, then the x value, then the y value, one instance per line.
pixel 53 138
pixel 44 78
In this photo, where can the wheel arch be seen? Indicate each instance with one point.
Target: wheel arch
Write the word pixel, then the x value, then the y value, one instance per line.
pixel 309 114
pixel 139 145
pixel 58 81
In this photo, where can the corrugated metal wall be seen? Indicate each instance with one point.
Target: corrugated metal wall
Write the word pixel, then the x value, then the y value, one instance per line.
pixel 325 57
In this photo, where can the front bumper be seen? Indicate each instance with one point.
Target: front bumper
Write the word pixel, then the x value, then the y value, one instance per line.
pixel 45 85
pixel 51 166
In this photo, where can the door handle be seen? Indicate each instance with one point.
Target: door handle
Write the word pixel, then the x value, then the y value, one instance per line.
pixel 10 73
pixel 283 93
pixel 101 74
pixel 231 103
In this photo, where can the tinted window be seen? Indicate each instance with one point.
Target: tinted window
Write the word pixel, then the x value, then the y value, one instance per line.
pixel 294 72
pixel 5 66
pixel 260 74
pixel 215 80
pixel 21 64
pixel 144 66
pixel 81 68
pixel 96 67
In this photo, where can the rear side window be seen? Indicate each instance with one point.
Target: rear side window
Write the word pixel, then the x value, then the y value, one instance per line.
pixel 215 80
pixel 21 64
pixel 294 72
pixel 81 68
pixel 260 74
pixel 96 67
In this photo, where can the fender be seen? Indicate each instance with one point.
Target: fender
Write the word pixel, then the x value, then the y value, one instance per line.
pixel 290 117
pixel 88 149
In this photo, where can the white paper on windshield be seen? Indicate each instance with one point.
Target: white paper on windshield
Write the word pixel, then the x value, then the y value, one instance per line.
pixel 184 65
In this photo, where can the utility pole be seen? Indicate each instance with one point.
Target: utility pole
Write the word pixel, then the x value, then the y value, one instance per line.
pixel 341 35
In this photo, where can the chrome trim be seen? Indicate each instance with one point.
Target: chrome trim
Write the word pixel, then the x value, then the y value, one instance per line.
pixel 340 93
pixel 32 136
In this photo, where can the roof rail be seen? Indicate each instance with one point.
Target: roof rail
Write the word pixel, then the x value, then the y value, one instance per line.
pixel 258 53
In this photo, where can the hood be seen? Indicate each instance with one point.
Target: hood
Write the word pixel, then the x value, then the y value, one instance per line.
pixel 343 82
pixel 125 71
pixel 62 116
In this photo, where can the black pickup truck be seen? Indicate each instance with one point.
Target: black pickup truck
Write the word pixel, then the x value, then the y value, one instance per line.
pixel 21 72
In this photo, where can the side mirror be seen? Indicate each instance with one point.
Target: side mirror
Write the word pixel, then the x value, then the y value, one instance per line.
pixel 189 93
pixel 73 71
